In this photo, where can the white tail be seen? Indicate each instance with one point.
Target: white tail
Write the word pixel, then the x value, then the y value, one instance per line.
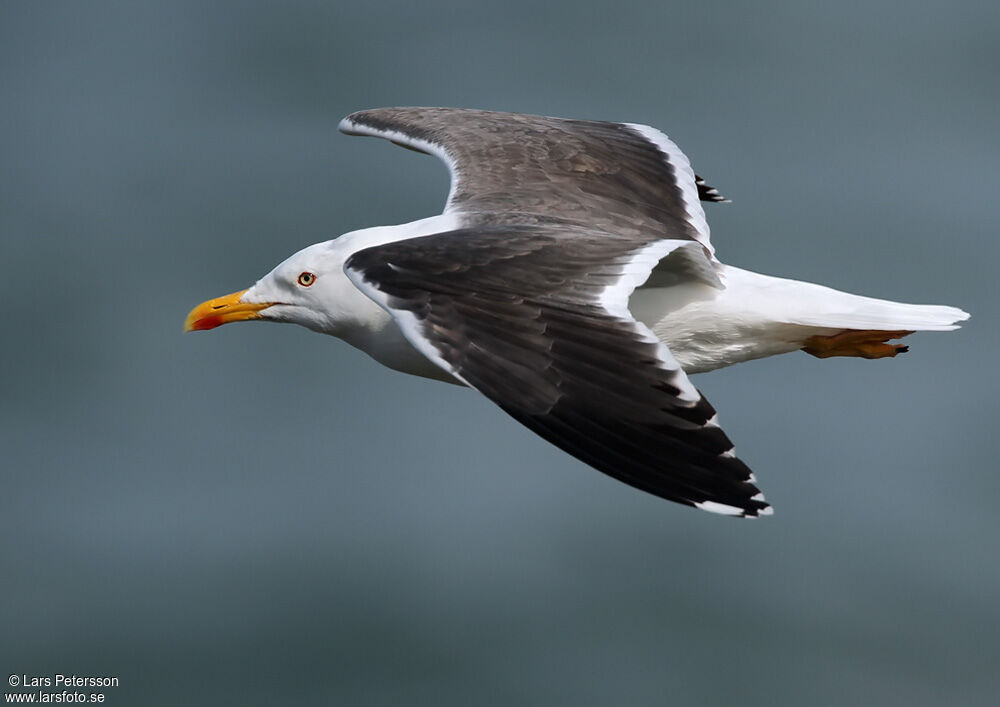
pixel 856 312
pixel 808 304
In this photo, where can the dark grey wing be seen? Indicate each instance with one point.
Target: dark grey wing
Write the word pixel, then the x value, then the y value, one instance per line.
pixel 536 319
pixel 510 167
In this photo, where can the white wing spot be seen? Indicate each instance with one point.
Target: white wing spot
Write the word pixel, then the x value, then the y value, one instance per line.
pixel 721 508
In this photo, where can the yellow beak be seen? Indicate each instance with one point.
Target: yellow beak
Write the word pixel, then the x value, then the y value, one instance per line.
pixel 222 310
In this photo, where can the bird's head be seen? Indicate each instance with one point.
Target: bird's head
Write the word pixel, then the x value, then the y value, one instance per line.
pixel 309 288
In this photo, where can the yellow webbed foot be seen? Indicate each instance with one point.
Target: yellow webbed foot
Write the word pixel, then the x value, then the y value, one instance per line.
pixel 854 342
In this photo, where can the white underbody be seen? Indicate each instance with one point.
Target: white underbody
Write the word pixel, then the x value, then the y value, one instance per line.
pixel 759 315
pixel 705 327
pixel 708 328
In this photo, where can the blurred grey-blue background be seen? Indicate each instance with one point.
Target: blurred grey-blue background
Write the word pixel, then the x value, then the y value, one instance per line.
pixel 261 515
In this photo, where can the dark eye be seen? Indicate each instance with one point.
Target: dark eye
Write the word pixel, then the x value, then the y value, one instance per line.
pixel 306 279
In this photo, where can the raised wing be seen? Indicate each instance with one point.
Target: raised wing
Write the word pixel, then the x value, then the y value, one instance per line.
pixel 510 167
pixel 537 320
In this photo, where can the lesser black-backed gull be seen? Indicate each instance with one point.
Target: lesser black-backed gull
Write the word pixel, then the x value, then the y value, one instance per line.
pixel 571 280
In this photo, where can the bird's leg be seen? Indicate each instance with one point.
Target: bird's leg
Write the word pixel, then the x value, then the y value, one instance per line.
pixel 866 343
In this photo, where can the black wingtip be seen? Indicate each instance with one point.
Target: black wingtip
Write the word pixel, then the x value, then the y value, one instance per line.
pixel 709 193
pixel 766 510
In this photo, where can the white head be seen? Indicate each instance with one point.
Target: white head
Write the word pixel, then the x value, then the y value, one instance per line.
pixel 309 288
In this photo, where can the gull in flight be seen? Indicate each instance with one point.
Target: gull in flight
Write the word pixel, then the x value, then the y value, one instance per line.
pixel 571 280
